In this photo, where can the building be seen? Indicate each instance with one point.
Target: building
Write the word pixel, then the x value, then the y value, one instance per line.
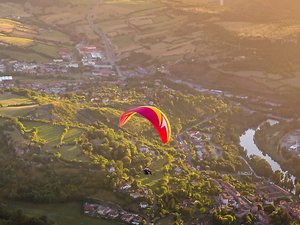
pixel 87 49
pixel 73 65
pixel 135 195
pixel 125 187
pixel 144 149
pixel 111 169
pixel 6 78
pixel 225 198
pixel 144 205
pixel 294 147
pixel 127 217
pixel 88 208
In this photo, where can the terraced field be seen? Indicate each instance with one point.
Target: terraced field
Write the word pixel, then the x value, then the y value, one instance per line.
pixel 15 111
pixel 8 99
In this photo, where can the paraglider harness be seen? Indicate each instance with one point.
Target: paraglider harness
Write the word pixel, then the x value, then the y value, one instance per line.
pixel 147 171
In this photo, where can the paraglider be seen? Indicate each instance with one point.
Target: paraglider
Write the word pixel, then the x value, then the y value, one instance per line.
pixel 147 171
pixel 155 116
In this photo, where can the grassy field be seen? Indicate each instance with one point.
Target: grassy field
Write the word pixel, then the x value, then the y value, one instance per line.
pixel 2 121
pixel 22 56
pixel 47 49
pixel 51 133
pixel 107 195
pixel 12 8
pixel 54 36
pixel 122 41
pixel 7 99
pixel 63 214
pixel 17 111
pixel 155 178
pixel 73 152
pixel 72 134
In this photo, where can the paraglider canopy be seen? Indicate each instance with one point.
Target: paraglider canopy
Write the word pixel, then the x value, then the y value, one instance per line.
pixel 155 116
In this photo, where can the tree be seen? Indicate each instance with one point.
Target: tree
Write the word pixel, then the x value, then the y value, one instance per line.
pixel 126 160
pixel 280 216
pixel 269 208
pixel 277 177
pixel 298 189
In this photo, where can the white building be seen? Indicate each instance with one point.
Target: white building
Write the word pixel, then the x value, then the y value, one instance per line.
pixel 5 78
pixel 294 147
pixel 125 187
pixel 144 205
pixel 73 65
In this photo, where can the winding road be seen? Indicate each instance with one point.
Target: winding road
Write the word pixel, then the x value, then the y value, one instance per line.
pixel 109 51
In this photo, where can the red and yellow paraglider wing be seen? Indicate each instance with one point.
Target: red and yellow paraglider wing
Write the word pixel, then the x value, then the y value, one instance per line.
pixel 155 116
pixel 125 117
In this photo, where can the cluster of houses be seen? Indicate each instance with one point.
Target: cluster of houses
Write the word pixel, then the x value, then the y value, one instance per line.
pixel 95 59
pixel 57 66
pixel 135 194
pixel 200 140
pixel 111 212
pixel 92 59
pixel 293 208
pixel 266 194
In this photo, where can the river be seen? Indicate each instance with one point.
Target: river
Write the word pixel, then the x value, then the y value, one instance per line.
pixel 247 142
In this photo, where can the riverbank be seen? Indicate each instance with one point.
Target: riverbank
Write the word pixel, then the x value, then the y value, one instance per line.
pixel 247 141
pixel 269 138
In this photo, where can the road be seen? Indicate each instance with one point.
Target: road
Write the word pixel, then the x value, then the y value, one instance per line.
pixel 251 169
pixel 109 51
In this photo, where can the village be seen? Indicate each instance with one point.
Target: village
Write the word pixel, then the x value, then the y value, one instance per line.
pixel 266 192
pixel 111 212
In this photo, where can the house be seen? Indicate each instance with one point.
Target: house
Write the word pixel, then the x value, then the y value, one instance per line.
pixel 96 55
pixel 125 187
pixel 88 208
pixel 127 217
pixel 6 78
pixel 102 210
pixel 144 149
pixel 225 198
pixel 137 220
pixel 73 65
pixel 143 205
pixel 58 60
pixel 113 214
pixel 87 49
pixel 294 147
pixel 111 169
pixel 178 170
pixel 135 195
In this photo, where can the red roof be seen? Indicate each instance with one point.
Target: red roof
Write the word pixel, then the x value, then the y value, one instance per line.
pixel 88 207
pixel 88 49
